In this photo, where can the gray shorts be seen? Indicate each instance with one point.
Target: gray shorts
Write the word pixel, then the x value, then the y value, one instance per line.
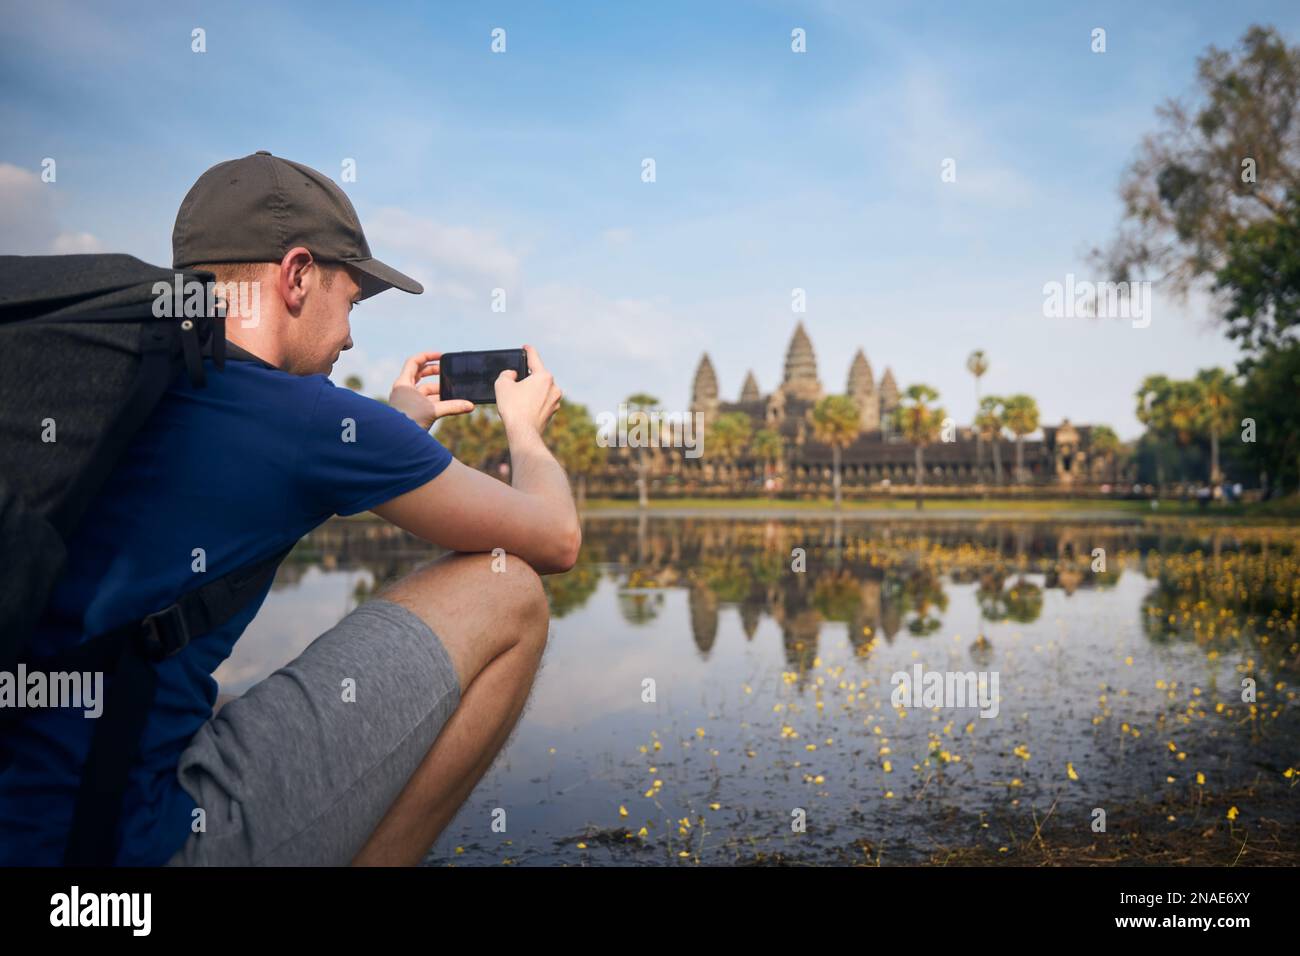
pixel 294 772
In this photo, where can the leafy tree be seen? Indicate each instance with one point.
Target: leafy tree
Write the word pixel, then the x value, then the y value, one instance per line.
pixel 571 436
pixel 977 364
pixel 835 422
pixel 1217 394
pixel 729 436
pixel 990 424
pixel 1020 413
pixel 1215 167
pixel 1261 279
pixel 478 438
pixel 767 446
pixel 640 406
pixel 1268 399
pixel 919 421
pixel 1105 444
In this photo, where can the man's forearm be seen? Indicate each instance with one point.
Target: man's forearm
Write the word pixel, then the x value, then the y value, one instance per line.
pixel 536 473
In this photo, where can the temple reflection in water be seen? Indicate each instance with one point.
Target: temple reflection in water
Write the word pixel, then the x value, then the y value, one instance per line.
pixel 878 578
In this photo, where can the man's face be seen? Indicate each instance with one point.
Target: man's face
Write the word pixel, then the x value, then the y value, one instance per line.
pixel 323 329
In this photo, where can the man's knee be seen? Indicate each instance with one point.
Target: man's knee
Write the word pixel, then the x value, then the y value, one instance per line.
pixel 480 605
pixel 522 596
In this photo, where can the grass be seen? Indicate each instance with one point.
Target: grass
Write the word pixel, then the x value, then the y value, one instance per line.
pixel 1287 509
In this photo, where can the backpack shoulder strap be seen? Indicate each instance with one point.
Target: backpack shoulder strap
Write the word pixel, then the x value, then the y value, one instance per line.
pixel 129 653
pixel 116 743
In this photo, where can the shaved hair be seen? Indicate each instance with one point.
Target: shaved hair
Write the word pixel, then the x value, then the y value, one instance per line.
pixel 252 271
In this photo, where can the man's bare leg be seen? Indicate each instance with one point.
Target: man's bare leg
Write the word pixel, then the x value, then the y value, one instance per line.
pixel 494 626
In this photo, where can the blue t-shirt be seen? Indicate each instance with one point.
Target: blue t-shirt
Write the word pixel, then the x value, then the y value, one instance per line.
pixel 241 468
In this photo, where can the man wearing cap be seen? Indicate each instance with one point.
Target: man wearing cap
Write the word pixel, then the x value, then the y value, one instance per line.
pixel 361 749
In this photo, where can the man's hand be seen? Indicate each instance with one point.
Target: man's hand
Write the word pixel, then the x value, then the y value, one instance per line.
pixel 533 517
pixel 418 400
pixel 526 406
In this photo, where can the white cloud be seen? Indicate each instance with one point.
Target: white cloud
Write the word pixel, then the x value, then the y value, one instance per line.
pixel 28 217
pixel 456 262
pixel 72 242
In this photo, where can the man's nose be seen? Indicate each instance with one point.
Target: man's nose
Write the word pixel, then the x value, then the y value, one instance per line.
pixel 348 344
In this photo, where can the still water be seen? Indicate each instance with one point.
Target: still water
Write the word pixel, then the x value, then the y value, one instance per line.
pixel 1120 653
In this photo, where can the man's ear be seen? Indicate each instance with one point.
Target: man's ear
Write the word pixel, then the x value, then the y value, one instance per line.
pixel 294 267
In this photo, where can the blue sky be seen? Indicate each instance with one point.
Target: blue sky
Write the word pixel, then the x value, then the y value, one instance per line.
pixel 775 170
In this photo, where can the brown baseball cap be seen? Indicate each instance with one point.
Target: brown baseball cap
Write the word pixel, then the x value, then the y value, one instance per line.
pixel 257 208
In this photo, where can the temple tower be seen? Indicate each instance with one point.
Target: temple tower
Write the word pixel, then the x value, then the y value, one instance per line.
pixel 888 399
pixel 749 391
pixel 801 368
pixel 704 390
pixel 862 389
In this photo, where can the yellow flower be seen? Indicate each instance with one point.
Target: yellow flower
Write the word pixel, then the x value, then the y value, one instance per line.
pixel 715 806
pixel 889 767
pixel 1232 813
pixel 582 846
pixel 1069 771
pixel 622 810
pixel 1200 778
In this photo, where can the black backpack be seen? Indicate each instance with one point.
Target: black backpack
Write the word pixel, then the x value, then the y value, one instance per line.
pixel 88 346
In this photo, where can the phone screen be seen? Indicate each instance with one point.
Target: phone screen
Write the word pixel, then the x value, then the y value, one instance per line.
pixel 473 375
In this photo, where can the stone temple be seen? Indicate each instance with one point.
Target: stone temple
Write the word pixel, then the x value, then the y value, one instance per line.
pixel 878 457
pixel 800 390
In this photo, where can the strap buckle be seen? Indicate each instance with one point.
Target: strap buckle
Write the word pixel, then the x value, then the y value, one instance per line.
pixel 164 633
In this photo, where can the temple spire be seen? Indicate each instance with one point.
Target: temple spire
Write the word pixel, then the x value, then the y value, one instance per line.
pixel 801 367
pixel 704 389
pixel 862 389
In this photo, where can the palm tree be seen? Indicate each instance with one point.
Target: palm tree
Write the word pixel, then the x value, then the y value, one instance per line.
pixel 990 424
pixel 1104 443
pixel 641 405
pixel 919 421
pixel 1153 412
pixel 477 439
pixel 1173 408
pixel 977 363
pixel 571 436
pixel 730 436
pixel 1218 401
pixel 768 447
pixel 353 382
pixel 836 422
pixel 1020 412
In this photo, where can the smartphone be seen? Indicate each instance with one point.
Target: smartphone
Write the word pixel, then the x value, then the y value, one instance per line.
pixel 473 375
